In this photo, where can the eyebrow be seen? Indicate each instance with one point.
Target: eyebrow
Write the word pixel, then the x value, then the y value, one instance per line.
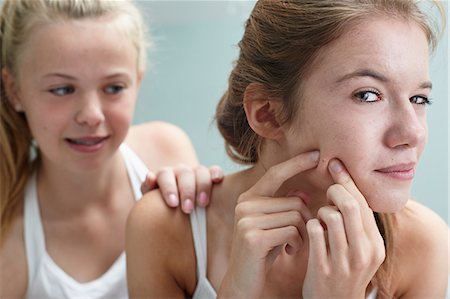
pixel 60 75
pixel 377 76
pixel 119 74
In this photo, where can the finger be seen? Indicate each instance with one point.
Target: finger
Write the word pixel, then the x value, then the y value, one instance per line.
pixel 186 187
pixel 278 174
pixel 204 182
pixel 216 173
pixel 272 221
pixel 341 176
pixel 350 209
pixel 337 238
pixel 318 256
pixel 168 186
pixel 268 205
pixel 149 183
pixel 287 235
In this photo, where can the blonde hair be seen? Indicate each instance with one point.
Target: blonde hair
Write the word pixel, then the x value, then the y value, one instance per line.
pixel 18 19
pixel 280 43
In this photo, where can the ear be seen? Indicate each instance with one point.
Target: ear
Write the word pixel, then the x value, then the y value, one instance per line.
pixel 262 111
pixel 9 83
pixel 140 77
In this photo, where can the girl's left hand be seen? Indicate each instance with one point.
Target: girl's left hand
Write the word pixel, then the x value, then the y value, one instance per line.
pixel 345 245
pixel 191 185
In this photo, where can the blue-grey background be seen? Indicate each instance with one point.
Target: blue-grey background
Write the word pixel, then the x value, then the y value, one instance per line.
pixel 193 48
pixel 194 45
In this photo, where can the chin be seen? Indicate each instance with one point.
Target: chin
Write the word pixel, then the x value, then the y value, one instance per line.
pixel 388 200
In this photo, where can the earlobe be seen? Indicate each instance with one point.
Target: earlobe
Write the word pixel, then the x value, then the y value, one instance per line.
pixel 262 112
pixel 11 90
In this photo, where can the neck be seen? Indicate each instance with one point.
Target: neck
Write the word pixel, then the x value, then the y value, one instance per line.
pixel 69 191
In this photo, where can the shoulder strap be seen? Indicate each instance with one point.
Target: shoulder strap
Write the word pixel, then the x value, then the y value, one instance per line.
pixel 136 169
pixel 34 232
pixel 198 225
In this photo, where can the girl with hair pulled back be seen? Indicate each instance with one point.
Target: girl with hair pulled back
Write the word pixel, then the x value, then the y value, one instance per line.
pixel 327 105
pixel 71 167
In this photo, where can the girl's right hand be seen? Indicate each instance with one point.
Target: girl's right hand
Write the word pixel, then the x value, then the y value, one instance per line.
pixel 264 226
pixel 191 186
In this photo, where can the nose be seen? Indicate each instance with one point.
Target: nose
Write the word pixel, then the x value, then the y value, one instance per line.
pixel 408 126
pixel 90 111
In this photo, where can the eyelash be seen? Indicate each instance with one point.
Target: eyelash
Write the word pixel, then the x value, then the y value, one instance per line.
pixel 358 96
pixel 66 90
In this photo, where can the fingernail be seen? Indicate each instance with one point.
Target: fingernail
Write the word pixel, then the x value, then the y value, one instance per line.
pixel 202 199
pixel 214 175
pixel 188 205
pixel 335 166
pixel 173 200
pixel 314 156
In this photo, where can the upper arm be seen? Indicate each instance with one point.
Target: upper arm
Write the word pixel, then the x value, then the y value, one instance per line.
pixel 425 245
pixel 159 253
pixel 162 143
pixel 13 265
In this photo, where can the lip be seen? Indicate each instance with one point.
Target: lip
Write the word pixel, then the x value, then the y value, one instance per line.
pixel 404 171
pixel 87 144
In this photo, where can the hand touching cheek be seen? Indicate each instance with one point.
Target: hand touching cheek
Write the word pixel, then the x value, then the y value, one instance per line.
pixel 345 245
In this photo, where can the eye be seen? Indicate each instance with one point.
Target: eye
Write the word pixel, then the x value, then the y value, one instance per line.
pixel 368 96
pixel 114 89
pixel 420 100
pixel 62 91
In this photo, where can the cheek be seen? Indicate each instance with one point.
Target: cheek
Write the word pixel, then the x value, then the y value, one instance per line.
pixel 120 117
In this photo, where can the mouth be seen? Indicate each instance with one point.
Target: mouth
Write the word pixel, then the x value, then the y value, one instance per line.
pixel 87 143
pixel 403 171
pixel 91 140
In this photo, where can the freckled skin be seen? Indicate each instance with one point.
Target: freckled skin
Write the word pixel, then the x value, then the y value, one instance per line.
pixel 365 136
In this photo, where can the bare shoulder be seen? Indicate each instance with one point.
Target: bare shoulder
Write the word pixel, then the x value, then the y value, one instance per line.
pixel 421 241
pixel 161 144
pixel 13 265
pixel 160 253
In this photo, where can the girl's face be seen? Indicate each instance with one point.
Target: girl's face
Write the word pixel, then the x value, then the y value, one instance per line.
pixel 364 102
pixel 77 84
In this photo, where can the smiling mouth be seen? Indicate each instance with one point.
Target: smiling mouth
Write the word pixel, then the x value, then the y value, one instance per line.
pixel 87 141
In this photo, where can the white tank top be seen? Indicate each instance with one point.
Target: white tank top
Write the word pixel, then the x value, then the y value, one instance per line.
pixel 46 279
pixel 204 289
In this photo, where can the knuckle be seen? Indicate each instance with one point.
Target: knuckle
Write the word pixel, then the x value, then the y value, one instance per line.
pixel 292 231
pixel 296 217
pixel 335 189
pixel 243 225
pixel 253 239
pixel 333 218
pixel 201 169
pixel 349 207
pixel 164 170
pixel 314 228
pixel 241 209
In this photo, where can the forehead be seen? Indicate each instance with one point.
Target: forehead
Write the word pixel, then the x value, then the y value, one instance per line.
pixel 71 43
pixel 393 47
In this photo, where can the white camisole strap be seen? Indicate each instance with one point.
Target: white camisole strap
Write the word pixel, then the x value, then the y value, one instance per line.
pixel 34 232
pixel 204 289
pixel 136 168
